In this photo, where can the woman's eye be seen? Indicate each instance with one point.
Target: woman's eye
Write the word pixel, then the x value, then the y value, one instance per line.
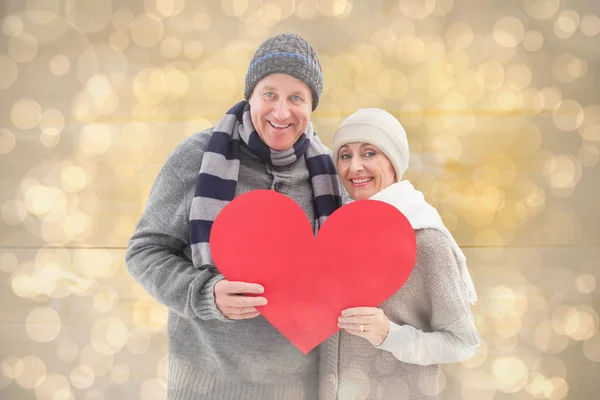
pixel 345 156
pixel 369 154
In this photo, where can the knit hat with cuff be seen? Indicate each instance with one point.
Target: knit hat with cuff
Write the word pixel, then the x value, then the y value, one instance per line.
pixel 286 53
pixel 379 128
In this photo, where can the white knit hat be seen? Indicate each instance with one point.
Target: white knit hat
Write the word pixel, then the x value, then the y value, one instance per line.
pixel 376 127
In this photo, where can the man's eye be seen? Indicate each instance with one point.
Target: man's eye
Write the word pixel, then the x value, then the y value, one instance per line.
pixel 296 99
pixel 269 94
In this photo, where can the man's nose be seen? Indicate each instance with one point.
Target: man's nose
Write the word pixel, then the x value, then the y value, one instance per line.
pixel 281 110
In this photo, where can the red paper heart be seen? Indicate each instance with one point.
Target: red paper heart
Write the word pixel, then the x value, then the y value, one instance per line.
pixel 363 253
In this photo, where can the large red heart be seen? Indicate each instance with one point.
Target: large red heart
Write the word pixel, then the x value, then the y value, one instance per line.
pixel 363 253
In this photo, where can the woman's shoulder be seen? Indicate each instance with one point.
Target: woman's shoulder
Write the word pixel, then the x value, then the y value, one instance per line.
pixel 434 252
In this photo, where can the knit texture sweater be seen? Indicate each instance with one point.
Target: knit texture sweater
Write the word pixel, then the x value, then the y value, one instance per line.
pixel 211 357
pixel 432 300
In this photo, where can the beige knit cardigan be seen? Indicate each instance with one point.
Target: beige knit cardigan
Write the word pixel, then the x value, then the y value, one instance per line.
pixel 433 299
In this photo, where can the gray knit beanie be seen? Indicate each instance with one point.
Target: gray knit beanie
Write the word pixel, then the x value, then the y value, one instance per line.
pixel 379 128
pixel 286 53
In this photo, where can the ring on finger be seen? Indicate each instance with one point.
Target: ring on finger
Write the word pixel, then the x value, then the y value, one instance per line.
pixel 361 328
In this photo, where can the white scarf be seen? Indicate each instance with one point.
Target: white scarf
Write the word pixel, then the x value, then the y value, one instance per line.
pixel 421 214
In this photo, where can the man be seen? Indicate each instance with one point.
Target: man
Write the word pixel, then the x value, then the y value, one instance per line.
pixel 219 345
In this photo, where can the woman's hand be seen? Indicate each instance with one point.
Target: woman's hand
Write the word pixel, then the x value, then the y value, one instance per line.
pixel 367 322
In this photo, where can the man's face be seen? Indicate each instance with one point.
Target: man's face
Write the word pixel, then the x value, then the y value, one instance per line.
pixel 280 108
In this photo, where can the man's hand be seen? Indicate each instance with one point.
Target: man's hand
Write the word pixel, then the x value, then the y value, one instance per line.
pixel 230 299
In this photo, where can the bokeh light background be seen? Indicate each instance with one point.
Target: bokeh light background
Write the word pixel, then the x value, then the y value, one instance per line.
pixel 501 103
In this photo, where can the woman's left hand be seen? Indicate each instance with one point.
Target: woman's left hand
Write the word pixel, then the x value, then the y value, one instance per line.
pixel 367 322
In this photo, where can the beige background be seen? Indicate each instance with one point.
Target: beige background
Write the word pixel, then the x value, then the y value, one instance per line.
pixel 500 101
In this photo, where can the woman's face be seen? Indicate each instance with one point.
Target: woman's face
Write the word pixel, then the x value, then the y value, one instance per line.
pixel 364 170
pixel 280 107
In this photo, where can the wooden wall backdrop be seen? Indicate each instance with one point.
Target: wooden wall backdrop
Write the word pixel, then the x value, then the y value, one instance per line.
pixel 501 103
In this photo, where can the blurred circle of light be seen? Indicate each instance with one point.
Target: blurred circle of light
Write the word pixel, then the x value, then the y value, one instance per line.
pixel 25 113
pixel 508 31
pixel 518 76
pixel 510 374
pixel 12 25
pixel 417 9
pixel 541 9
pixel 73 178
pixel 67 351
pixel 60 65
pixel 9 70
pixel 8 262
pixel 100 363
pixel 490 245
pixel 447 147
pixel 77 225
pixel 502 302
pixel 120 374
pixel 52 120
pixel 306 10
pixel 138 342
pixel 94 394
pixel 590 25
pixel 147 30
pixel 30 372
pixel 591 348
pixel 533 40
pixel 566 24
pixel 122 19
pixel 170 47
pixel 568 116
pixel 581 325
pixel 42 11
pixel 153 388
pixel 392 84
pixel 271 14
pixel 22 284
pixel 459 35
pixel 567 67
pixel 7 141
pixel 43 324
pixel 552 97
pixel 589 156
pixel 109 336
pixel 82 376
pixel 193 49
pixel 480 356
pixel 170 8
pixel 478 385
pixel 490 75
pixel 23 48
pixel 89 16
pixel 548 340
pixel 219 84
pixel 95 139
pixel 510 325
pixel 54 387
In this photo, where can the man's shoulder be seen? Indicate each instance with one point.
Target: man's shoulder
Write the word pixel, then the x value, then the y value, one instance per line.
pixel 186 157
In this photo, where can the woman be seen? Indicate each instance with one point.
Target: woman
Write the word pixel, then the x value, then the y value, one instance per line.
pixel 394 352
pixel 220 348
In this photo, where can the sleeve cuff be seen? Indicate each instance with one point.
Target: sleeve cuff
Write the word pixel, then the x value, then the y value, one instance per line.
pixel 396 337
pixel 205 306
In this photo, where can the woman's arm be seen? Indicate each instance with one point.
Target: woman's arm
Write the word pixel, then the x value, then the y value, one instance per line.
pixel 453 336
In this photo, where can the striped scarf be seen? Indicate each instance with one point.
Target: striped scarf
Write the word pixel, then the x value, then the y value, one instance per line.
pixel 220 166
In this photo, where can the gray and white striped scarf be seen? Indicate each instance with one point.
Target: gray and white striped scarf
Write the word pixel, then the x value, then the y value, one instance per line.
pixel 220 166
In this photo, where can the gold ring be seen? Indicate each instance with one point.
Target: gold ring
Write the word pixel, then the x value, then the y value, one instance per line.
pixel 361 328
